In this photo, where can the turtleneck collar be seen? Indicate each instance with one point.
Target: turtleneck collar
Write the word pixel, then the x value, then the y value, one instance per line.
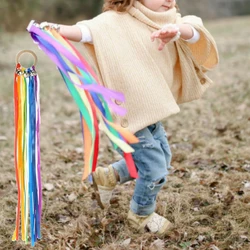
pixel 151 18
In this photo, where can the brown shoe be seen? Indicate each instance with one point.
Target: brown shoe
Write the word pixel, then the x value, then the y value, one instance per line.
pixel 154 222
pixel 104 182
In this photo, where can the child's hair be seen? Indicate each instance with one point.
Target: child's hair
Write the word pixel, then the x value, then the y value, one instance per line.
pixel 121 5
pixel 118 5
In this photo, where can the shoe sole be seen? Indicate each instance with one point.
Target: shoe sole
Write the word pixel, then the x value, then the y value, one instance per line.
pixel 97 195
pixel 167 229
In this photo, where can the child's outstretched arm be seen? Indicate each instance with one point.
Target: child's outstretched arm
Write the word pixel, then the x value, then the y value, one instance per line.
pixel 71 32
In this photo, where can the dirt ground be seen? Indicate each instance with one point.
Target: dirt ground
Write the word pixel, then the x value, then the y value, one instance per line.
pixel 207 196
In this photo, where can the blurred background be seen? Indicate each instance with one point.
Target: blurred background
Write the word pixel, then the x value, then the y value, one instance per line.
pixel 15 15
pixel 208 193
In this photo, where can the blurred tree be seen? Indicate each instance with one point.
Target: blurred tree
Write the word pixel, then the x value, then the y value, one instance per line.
pixel 72 10
pixel 214 8
pixel 15 15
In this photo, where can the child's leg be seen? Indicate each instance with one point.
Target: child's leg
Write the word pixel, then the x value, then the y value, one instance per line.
pixel 121 170
pixel 152 157
pixel 158 135
pixel 161 136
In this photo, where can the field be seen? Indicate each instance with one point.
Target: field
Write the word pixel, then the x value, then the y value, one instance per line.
pixel 207 195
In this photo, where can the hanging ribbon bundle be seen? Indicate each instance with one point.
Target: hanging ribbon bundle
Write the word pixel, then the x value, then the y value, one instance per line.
pixel 93 100
pixel 27 150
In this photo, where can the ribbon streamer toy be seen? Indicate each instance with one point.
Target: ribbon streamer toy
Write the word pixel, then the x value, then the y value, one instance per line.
pixel 27 150
pixel 94 102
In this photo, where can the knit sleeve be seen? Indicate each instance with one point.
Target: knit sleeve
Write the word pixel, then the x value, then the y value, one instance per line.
pixel 195 37
pixel 204 51
pixel 86 35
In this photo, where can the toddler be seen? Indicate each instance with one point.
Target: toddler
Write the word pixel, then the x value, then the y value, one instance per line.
pixel 157 59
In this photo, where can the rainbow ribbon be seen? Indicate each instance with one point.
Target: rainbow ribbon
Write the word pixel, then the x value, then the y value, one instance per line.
pixel 27 153
pixel 93 100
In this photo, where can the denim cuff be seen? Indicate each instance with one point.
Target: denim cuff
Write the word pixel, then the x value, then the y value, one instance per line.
pixel 122 171
pixel 142 210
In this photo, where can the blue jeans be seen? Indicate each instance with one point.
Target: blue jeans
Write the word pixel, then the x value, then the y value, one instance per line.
pixel 152 158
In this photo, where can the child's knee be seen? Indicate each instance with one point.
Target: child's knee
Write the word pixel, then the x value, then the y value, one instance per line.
pixel 157 184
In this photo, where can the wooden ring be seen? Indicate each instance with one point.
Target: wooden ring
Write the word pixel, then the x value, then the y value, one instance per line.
pixel 26 51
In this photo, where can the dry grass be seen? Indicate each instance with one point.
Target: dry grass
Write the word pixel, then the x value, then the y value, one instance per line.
pixel 205 195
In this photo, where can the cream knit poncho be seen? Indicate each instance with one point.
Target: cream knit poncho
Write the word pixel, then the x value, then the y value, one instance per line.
pixel 153 81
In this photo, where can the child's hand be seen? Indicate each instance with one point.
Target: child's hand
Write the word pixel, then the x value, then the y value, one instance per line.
pixel 54 26
pixel 169 32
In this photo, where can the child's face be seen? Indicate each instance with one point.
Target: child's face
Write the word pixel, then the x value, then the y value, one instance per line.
pixel 159 5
